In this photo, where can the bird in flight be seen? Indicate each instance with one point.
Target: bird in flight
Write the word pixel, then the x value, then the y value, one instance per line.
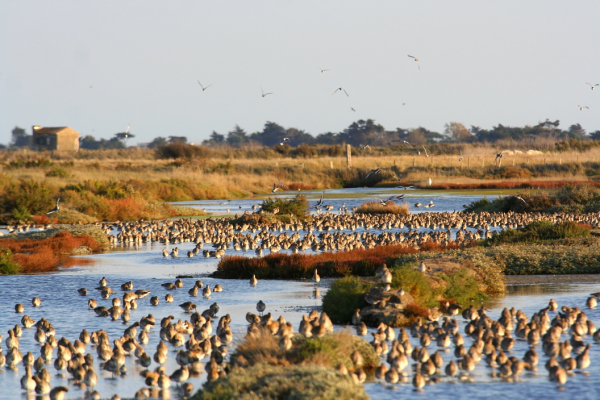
pixel 284 140
pixel 56 209
pixel 582 107
pixel 366 146
pixel 373 172
pixel 593 86
pixel 342 89
pixel 320 202
pixel 263 92
pixel 275 187
pixel 426 154
pixel 460 157
pixel 417 60
pixel 203 87
pixel 323 70
pixel 352 108
pixel 392 198
pixel 405 142
pixel 498 157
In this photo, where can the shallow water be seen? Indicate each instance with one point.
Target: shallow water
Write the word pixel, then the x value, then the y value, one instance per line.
pixel 68 311
pixel 443 200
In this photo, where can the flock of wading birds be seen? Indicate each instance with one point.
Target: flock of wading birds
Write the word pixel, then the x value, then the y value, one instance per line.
pixel 491 341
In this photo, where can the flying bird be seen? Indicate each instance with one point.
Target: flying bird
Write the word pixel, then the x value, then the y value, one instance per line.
pixel 366 146
pixel 285 139
pixel 352 108
pixel 582 107
pixel 342 89
pixel 498 156
pixel 323 70
pixel 426 154
pixel 405 142
pixel 392 198
pixel 593 86
pixel 56 209
pixel 373 172
pixel 417 60
pixel 460 157
pixel 204 88
pixel 275 188
pixel 263 92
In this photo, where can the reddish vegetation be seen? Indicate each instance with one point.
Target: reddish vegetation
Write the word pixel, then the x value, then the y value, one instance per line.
pixel 41 255
pixel 512 185
pixel 414 311
pixel 329 264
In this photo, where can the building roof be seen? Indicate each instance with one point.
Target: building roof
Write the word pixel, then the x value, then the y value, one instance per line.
pixel 51 130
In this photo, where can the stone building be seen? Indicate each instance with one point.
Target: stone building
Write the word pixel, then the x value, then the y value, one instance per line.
pixel 58 138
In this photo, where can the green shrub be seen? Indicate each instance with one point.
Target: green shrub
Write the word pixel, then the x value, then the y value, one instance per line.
pixel 484 205
pixel 58 172
pixel 462 287
pixel 343 297
pixel 8 266
pixel 540 231
pixel 21 214
pixel 413 281
pixel 28 194
pixel 298 206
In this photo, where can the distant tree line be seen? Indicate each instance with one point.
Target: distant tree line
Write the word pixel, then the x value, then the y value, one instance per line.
pixel 359 134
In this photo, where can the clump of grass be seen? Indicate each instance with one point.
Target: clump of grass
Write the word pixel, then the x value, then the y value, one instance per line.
pixel 461 286
pixel 27 195
pixel 343 297
pixel 297 207
pixel 374 207
pixel 266 382
pixel 181 211
pixel 8 266
pixel 58 172
pixel 327 351
pixel 405 276
pixel 540 231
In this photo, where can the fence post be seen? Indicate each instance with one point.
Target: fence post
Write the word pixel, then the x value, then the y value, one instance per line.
pixel 348 156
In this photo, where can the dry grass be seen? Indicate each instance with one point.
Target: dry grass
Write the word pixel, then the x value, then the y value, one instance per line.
pixel 374 207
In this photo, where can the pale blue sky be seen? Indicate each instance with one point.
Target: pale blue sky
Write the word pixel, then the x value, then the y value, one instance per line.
pixel 482 63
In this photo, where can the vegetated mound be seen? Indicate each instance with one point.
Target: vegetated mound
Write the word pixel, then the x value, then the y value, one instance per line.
pixel 541 231
pixel 576 199
pixel 330 351
pixel 46 250
pixel 375 207
pixel 266 382
pixel 445 281
pixel 361 262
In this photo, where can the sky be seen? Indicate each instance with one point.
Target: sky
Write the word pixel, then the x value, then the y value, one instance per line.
pixel 99 66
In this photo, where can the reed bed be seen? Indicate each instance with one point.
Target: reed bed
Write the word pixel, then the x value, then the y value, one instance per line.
pixel 359 262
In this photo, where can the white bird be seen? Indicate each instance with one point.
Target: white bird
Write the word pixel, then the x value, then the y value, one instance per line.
pixel 460 157
pixel 56 209
pixel 405 142
pixel 204 88
pixel 263 92
pixel 593 86
pixel 416 59
pixel 429 181
pixel 426 154
pixel 285 139
pixel 323 70
pixel 582 107
pixel 342 89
